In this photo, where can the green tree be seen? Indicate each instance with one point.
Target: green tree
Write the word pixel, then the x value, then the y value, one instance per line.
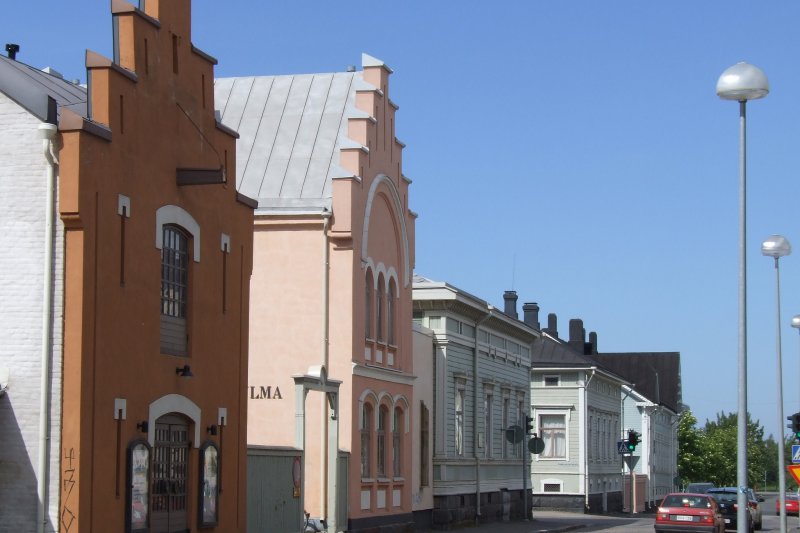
pixel 710 453
pixel 691 459
pixel 722 441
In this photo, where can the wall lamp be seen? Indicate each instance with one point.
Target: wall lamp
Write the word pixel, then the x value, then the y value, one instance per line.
pixel 184 371
pixel 212 429
pixel 143 426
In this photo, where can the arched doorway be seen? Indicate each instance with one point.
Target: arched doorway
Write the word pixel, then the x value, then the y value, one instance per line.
pixel 170 474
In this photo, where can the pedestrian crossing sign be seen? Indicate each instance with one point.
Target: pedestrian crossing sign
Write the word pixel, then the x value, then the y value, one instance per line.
pixel 796 453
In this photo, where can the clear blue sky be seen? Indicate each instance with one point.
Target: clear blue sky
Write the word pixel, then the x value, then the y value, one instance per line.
pixel 573 151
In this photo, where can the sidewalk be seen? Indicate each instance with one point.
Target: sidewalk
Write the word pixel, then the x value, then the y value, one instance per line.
pixel 546 522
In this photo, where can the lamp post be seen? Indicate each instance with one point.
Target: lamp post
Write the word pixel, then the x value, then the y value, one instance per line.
pixel 742 82
pixel 796 325
pixel 777 246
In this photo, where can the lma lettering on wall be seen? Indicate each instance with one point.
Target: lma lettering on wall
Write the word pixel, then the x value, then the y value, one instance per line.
pixel 260 392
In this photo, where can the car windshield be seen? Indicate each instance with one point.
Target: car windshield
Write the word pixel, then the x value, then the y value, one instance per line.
pixel 677 500
pixel 723 496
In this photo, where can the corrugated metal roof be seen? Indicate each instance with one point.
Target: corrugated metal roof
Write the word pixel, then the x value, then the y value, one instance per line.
pixel 291 129
pixel 30 88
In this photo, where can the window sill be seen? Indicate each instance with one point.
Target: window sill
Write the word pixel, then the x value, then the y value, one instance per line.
pixel 384 480
pixel 366 480
pixel 399 480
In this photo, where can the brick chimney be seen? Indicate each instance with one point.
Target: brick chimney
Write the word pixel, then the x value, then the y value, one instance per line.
pixel 577 335
pixel 510 300
pixel 552 325
pixel 593 342
pixel 530 313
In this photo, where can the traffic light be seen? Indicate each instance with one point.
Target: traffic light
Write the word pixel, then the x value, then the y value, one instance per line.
pixel 795 419
pixel 633 440
pixel 529 424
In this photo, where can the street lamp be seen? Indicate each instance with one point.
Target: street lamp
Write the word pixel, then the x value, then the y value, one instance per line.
pixel 796 324
pixel 777 246
pixel 742 82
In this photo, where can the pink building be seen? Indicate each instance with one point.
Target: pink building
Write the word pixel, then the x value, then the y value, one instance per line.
pixel 331 286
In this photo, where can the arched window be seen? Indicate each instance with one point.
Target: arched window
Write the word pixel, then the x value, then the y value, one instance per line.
pixel 397 442
pixel 383 415
pixel 174 290
pixel 366 439
pixel 390 312
pixel 368 306
pixel 379 310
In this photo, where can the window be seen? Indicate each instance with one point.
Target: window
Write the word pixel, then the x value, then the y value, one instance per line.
pixel 368 307
pixel 551 381
pixel 521 413
pixel 379 310
pixel 552 487
pixel 382 416
pixel 554 433
pixel 366 441
pixel 506 424
pixel 459 405
pixel 424 445
pixel 397 443
pixel 488 423
pixel 390 313
pixel 174 290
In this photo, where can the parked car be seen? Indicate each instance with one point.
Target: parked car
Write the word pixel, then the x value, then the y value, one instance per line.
pixel 683 511
pixel 699 488
pixel 792 505
pixel 727 498
pixel 754 502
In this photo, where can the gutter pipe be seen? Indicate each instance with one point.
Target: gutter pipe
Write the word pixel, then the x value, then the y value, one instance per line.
pixel 47 132
pixel 585 433
pixel 326 218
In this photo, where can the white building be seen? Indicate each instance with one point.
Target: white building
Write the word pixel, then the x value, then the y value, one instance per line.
pixel 481 362
pixel 31 294
pixel 577 411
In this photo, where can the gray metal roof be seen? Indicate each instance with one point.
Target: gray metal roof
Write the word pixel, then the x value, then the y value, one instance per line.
pixel 291 130
pixel 32 88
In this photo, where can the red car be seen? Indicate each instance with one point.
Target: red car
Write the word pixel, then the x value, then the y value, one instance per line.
pixel 792 506
pixel 685 512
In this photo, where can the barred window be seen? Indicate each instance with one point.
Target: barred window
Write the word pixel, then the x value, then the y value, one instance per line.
pixel 174 291
pixel 174 272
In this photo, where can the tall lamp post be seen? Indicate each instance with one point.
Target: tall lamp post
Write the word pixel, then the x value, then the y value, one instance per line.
pixel 742 82
pixel 777 246
pixel 796 325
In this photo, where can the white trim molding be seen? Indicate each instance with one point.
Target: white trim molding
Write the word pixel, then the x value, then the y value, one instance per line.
pixel 174 403
pixel 172 214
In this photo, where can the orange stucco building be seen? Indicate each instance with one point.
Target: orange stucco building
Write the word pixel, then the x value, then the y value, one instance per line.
pixel 158 254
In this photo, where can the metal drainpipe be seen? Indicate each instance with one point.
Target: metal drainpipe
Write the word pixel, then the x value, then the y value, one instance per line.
pixel 588 444
pixel 326 217
pixel 48 134
pixel 475 418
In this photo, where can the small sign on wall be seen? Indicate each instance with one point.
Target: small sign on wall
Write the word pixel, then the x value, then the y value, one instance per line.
pixel 261 392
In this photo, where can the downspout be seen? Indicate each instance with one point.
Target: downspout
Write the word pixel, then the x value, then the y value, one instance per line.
pixel 475 418
pixel 585 434
pixel 326 218
pixel 48 134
